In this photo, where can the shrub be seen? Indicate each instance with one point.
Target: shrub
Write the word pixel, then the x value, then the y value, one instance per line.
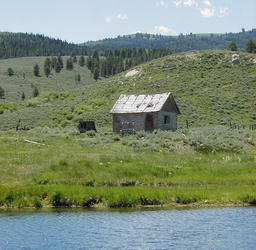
pixel 183 200
pixel 10 72
pixel 91 133
pixel 90 202
pixel 37 203
pixel 1 92
pixel 210 139
pixel 146 201
pixel 58 200
pixel 249 199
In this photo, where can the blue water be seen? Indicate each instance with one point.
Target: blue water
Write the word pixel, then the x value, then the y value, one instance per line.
pixel 227 228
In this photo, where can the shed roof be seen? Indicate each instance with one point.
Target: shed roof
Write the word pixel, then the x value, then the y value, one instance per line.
pixel 140 103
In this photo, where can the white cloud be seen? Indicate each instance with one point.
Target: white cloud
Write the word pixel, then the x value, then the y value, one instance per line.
pixel 223 11
pixel 118 16
pixel 206 7
pixel 207 3
pixel 210 12
pixel 189 2
pixel 108 19
pixel 177 3
pixel 163 30
pixel 207 12
pixel 122 16
pixel 163 3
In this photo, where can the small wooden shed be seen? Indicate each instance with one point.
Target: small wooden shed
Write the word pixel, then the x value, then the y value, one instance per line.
pixel 145 112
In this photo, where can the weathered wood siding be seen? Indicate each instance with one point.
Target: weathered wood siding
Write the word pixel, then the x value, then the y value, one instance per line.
pixel 128 121
pixel 171 125
pixel 170 106
pixel 137 121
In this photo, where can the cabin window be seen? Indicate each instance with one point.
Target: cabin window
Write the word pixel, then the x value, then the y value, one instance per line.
pixel 166 119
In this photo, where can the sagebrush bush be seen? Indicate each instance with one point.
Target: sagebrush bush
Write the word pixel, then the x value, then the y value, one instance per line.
pixel 205 139
pixel 210 139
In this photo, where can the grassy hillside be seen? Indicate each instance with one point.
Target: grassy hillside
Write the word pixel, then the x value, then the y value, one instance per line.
pixel 23 78
pixel 53 87
pixel 200 166
pixel 207 87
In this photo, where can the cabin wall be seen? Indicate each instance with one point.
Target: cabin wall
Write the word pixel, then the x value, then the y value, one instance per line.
pixel 135 121
pixel 170 106
pixel 128 121
pixel 171 123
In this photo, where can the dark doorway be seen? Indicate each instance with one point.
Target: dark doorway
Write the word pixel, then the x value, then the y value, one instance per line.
pixel 149 123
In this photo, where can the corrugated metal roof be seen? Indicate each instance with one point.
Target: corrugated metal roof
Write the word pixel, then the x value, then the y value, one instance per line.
pixel 140 103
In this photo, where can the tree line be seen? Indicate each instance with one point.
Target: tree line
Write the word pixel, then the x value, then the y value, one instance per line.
pixel 250 46
pixel 24 44
pixel 182 42
pixel 119 60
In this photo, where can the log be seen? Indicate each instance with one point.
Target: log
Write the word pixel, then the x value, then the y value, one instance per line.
pixel 34 142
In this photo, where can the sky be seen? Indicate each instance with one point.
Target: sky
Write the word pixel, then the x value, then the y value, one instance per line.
pixel 83 20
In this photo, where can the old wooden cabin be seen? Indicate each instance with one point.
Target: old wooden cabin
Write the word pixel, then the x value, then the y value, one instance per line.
pixel 145 112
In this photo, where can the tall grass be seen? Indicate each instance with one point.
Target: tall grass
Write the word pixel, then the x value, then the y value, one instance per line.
pixel 80 170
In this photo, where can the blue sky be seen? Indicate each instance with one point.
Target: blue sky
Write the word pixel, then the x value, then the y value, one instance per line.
pixel 83 20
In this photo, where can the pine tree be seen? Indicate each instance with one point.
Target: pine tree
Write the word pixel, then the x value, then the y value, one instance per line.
pixel 74 58
pixel 53 62
pixel 60 62
pixel 1 92
pixel 96 74
pixel 78 77
pixel 23 96
pixel 96 55
pixel 81 61
pixel 251 46
pixel 47 67
pixel 95 61
pixel 232 46
pixel 58 67
pixel 36 70
pixel 10 72
pixel 69 64
pixel 89 63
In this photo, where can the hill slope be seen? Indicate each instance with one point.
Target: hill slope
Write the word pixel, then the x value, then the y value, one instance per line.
pixel 24 44
pixel 176 43
pixel 206 86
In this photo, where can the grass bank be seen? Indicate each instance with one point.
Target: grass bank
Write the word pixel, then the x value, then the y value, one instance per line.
pixel 199 167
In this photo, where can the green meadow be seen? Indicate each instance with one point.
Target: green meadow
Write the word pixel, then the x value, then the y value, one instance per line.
pixel 209 164
pixel 67 169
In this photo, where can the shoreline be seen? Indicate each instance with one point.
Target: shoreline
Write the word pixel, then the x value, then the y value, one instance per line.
pixel 98 208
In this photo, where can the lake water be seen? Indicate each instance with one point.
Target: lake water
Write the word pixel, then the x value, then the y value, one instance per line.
pixel 227 228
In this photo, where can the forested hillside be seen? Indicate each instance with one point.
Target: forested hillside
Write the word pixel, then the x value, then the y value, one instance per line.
pixel 118 60
pixel 176 43
pixel 24 45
